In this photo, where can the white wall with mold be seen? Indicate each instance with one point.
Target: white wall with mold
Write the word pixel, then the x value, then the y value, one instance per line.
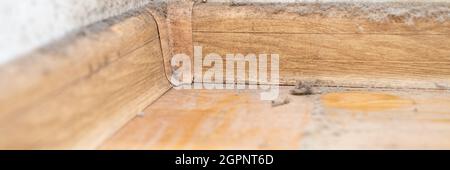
pixel 29 24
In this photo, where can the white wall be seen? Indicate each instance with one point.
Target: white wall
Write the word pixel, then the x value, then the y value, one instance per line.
pixel 28 24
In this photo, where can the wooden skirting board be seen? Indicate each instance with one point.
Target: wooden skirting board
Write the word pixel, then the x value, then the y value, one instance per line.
pixel 173 19
pixel 352 44
pixel 77 92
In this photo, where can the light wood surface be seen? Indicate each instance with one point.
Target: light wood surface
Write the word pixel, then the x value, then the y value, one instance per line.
pixel 159 13
pixel 336 119
pixel 79 92
pixel 322 17
pixel 343 45
pixel 76 92
pixel 175 29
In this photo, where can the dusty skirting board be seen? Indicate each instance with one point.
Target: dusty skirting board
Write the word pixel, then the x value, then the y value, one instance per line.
pixel 400 44
pixel 76 92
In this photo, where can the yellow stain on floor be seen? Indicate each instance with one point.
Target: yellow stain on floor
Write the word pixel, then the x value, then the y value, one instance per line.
pixel 364 101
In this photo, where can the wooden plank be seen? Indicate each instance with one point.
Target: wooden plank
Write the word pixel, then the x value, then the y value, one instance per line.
pixel 75 93
pixel 207 119
pixel 409 61
pixel 349 50
pixel 180 29
pixel 338 118
pixel 387 120
pixel 175 30
pixel 324 17
pixel 159 12
pixel 179 24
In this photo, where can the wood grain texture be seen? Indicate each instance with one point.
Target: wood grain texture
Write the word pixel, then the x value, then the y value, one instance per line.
pixel 396 61
pixel 159 12
pixel 179 13
pixel 343 45
pixel 179 25
pixel 323 17
pixel 175 30
pixel 335 119
pixel 78 91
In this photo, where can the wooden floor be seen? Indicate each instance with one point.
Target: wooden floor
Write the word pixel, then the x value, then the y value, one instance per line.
pixel 334 119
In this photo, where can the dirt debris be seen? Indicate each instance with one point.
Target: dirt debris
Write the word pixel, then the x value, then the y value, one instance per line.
pixel 280 101
pixel 234 4
pixel 302 88
pixel 301 92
